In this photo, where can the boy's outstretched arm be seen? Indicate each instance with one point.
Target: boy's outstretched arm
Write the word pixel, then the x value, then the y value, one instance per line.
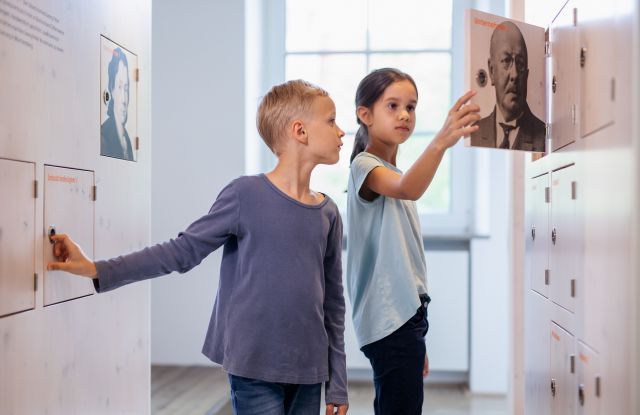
pixel 182 253
pixel 336 396
pixel 70 258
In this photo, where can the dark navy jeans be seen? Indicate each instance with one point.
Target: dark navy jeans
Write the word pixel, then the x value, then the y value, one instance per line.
pixel 397 361
pixel 257 397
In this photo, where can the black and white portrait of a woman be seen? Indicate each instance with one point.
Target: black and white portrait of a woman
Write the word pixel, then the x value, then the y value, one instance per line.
pixel 118 115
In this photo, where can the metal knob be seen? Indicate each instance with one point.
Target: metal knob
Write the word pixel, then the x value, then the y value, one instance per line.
pixel 554 235
pixel 553 387
pixel 533 233
pixel 583 56
pixel 554 84
pixel 51 232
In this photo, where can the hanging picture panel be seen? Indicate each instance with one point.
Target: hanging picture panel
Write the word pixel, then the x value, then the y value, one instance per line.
pixel 68 209
pixel 118 101
pixel 505 65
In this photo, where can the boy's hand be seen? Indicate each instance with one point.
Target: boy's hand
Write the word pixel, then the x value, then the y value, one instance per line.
pixel 458 121
pixel 70 258
pixel 425 370
pixel 337 409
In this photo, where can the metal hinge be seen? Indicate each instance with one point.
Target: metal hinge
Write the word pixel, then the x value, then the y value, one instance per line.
pixel 137 143
pixel 574 190
pixel 35 282
pixel 35 189
pixel 572 363
pixel 547 44
pixel 137 75
pixel 573 114
pixel 598 386
pixel 613 89
pixel 575 16
pixel 547 131
pixel 573 288
pixel 547 277
pixel 95 193
pixel 547 48
pixel 547 195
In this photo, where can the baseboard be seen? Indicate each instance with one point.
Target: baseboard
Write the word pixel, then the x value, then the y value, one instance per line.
pixel 439 377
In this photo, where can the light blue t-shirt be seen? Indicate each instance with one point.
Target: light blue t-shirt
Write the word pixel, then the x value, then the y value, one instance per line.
pixel 386 268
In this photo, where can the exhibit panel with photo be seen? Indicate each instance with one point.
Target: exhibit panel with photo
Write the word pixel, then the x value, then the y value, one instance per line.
pixel 54 64
pixel 118 101
pixel 505 64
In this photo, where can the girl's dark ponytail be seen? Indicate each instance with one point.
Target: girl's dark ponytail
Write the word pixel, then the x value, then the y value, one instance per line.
pixel 369 91
pixel 360 142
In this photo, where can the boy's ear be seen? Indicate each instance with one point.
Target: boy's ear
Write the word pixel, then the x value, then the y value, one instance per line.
pixel 364 115
pixel 299 132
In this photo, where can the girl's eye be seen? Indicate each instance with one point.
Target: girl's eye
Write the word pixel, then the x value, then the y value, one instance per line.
pixel 393 105
pixel 411 108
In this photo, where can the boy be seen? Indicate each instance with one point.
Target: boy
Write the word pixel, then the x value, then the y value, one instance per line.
pixel 278 320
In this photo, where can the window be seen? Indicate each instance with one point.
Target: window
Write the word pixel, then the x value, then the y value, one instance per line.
pixel 335 43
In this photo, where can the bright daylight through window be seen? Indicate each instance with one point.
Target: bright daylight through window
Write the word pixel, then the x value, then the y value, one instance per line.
pixel 336 50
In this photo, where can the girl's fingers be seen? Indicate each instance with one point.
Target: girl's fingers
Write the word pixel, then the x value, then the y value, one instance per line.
pixel 467 130
pixel 467 109
pixel 467 119
pixel 462 100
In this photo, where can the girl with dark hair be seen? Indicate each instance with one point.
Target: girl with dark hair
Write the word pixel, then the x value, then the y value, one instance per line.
pixel 386 268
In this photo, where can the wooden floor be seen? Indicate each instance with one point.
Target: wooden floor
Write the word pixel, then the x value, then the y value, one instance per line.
pixel 191 390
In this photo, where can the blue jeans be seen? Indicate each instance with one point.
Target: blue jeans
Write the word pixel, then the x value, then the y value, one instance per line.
pixel 257 397
pixel 397 361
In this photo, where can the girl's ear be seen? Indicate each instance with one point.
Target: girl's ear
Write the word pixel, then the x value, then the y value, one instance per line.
pixel 365 116
pixel 299 132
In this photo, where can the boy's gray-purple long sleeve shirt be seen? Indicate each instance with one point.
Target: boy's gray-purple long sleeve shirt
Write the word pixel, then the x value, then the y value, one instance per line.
pixel 279 312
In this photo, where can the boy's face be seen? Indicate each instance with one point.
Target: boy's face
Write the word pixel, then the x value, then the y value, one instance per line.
pixel 324 135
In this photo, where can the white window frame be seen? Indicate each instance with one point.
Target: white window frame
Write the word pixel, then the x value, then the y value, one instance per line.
pixel 267 37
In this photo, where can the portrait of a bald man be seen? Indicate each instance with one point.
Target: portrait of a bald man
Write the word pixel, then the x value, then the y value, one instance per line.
pixel 511 125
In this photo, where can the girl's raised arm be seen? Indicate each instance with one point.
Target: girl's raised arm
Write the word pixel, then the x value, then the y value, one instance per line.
pixel 414 182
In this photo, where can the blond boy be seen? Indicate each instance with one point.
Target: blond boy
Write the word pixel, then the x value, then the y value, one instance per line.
pixel 278 319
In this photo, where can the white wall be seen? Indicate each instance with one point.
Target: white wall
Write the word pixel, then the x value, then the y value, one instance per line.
pixel 198 146
pixel 491 275
pixel 88 355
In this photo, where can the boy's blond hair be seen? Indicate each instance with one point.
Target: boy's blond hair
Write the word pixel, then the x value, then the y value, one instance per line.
pixel 281 105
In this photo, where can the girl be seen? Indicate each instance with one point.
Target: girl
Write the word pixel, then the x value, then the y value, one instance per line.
pixel 386 270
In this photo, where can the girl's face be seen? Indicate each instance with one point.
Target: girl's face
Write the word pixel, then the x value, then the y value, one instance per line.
pixel 393 116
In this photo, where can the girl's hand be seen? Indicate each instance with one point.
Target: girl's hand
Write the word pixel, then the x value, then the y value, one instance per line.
pixel 458 121
pixel 70 258
pixel 425 370
pixel 337 409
